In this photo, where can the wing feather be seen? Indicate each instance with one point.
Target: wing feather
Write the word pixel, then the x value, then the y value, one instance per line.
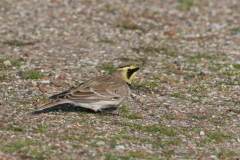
pixel 99 88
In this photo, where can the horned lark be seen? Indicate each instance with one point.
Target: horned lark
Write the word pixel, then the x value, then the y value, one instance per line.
pixel 98 93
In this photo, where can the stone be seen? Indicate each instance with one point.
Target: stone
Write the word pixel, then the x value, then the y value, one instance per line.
pixel 120 147
pixel 45 81
pixel 178 72
pixel 202 133
pixel 169 33
pixel 160 98
pixel 7 63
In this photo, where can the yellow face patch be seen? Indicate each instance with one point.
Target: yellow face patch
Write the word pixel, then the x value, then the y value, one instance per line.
pixel 128 73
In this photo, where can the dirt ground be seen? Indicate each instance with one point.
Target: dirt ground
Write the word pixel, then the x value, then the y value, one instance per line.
pixel 185 100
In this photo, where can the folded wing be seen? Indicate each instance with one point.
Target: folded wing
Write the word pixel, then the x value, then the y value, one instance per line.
pixel 99 88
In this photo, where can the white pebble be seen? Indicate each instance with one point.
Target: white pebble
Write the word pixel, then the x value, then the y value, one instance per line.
pixel 100 143
pixel 160 98
pixel 202 133
pixel 213 156
pixel 146 71
pixel 46 81
pixel 10 87
pixel 120 147
pixel 7 63
pixel 34 83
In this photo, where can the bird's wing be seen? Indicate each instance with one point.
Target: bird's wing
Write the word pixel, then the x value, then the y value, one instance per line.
pixel 98 88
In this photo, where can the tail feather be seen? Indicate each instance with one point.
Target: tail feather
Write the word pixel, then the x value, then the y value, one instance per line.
pixel 50 104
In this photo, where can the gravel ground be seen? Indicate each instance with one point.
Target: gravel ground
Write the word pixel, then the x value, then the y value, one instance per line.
pixel 185 101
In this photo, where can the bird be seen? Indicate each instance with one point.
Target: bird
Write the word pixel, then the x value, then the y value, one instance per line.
pixel 99 93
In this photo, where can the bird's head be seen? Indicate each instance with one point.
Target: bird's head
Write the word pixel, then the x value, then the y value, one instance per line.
pixel 126 73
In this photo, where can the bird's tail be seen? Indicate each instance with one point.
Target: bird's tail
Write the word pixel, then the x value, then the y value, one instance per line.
pixel 50 104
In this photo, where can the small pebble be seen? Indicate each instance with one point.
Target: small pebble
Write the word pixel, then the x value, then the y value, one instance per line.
pixel 29 92
pixel 202 74
pixel 160 98
pixel 167 106
pixel 100 143
pixel 45 81
pixel 146 71
pixel 213 156
pixel 7 63
pixel 10 87
pixel 157 116
pixel 202 133
pixel 120 147
pixel 34 83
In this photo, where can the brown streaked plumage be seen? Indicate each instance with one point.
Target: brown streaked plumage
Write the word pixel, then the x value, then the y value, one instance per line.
pixel 100 92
